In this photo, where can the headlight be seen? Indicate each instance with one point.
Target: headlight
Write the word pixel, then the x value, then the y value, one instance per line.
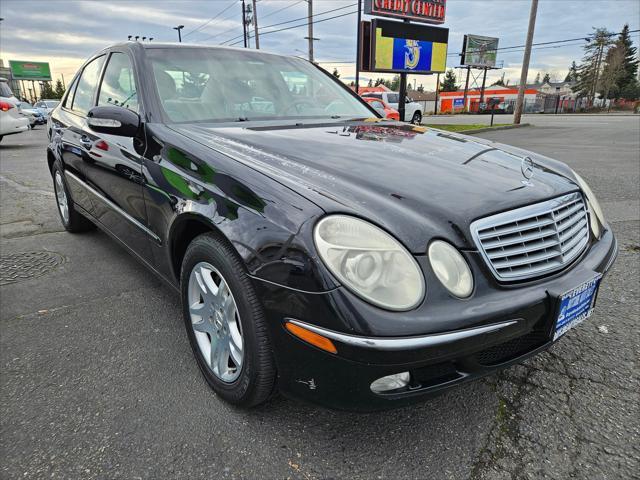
pixel 596 215
pixel 369 262
pixel 451 268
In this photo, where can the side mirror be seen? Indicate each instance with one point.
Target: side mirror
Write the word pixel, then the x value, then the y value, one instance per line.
pixel 114 121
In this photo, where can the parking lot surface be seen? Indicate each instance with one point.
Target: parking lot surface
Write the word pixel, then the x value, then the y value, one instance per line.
pixel 97 377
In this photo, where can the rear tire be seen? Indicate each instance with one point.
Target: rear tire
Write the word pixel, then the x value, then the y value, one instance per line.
pixel 225 323
pixel 417 118
pixel 71 219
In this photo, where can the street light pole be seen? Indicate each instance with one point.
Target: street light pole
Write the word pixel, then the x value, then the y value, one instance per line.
pixel 178 28
pixel 517 114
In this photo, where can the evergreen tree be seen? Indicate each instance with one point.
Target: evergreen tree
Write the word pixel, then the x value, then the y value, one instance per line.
pixel 612 72
pixel 546 78
pixel 59 90
pixel 46 91
pixel 627 83
pixel 572 76
pixel 335 73
pixel 394 84
pixel 537 80
pixel 420 88
pixel 449 82
pixel 592 63
pixel 370 84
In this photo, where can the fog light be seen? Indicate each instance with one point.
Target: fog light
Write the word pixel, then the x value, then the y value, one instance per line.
pixel 391 382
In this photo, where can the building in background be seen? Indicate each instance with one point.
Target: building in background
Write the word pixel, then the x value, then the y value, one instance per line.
pixel 453 102
pixel 5 72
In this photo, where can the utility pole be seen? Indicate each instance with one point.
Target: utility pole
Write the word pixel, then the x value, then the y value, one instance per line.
pixel 517 114
pixel 310 28
pixel 244 23
pixel 255 25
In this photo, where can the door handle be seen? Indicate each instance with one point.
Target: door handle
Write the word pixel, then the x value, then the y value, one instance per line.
pixel 86 142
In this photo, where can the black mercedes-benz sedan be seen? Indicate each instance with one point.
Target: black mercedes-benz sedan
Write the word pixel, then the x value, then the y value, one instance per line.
pixel 318 249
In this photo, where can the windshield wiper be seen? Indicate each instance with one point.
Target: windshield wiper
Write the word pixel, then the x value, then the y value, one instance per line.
pixel 242 119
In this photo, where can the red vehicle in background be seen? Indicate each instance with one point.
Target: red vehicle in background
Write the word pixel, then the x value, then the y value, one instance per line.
pixel 382 108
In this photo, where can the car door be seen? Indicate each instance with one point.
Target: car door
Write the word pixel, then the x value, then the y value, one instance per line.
pixel 113 166
pixel 67 130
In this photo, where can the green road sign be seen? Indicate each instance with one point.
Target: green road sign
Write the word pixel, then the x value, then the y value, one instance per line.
pixel 21 70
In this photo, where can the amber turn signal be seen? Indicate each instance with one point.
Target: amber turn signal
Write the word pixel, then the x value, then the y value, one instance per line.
pixel 311 337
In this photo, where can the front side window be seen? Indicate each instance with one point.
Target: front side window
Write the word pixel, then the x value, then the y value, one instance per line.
pixel 202 84
pixel 83 98
pixel 118 85
pixel 393 98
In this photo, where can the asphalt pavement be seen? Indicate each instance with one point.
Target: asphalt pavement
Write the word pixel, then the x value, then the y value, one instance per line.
pixel 97 378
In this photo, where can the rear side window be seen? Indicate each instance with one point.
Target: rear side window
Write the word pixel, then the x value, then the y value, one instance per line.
pixel 118 85
pixel 69 98
pixel 87 85
pixel 392 98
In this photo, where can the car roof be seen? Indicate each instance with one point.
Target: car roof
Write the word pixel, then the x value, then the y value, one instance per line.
pixel 176 45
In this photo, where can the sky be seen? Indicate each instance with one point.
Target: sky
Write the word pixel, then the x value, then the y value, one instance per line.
pixel 64 32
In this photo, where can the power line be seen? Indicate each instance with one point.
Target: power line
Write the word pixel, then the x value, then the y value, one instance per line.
pixel 301 25
pixel 211 19
pixel 293 20
pixel 282 9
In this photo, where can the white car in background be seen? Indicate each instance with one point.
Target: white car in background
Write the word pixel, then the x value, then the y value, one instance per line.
pixel 412 110
pixel 11 120
pixel 47 106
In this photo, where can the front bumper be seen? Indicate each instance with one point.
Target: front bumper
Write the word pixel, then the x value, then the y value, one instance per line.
pixel 470 349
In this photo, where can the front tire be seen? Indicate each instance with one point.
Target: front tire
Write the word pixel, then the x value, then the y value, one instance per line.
pixel 71 219
pixel 225 323
pixel 417 118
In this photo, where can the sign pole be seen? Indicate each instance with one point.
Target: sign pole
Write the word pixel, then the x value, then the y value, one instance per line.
pixel 484 81
pixel 359 46
pixel 466 90
pixel 403 92
pixel 435 108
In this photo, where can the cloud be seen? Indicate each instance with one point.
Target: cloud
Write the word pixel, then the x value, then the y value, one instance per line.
pixel 66 32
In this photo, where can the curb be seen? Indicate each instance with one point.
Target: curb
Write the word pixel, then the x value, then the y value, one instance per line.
pixel 493 129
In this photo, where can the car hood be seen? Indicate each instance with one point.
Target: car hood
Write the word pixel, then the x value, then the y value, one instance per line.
pixel 416 182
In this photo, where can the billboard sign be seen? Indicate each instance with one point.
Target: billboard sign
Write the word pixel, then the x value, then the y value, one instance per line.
pixel 425 11
pixel 21 70
pixel 479 51
pixel 398 47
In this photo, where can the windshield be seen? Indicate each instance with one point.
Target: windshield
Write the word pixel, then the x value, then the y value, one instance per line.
pixel 201 84
pixel 51 103
pixel 5 91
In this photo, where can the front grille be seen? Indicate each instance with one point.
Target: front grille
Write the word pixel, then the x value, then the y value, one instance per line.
pixel 533 240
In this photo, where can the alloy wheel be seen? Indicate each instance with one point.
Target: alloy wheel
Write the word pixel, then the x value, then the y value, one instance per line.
pixel 61 197
pixel 216 322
